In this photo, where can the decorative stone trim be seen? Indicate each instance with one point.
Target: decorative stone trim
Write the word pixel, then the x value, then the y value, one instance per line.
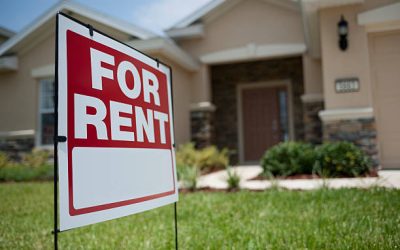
pixel 202 106
pixel 18 133
pixel 313 97
pixel 345 114
pixel 312 122
pixel 360 131
pixel 44 71
pixel 16 147
pixel 202 124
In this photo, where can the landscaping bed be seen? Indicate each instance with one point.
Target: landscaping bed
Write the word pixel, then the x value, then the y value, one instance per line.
pixel 262 177
pixel 299 160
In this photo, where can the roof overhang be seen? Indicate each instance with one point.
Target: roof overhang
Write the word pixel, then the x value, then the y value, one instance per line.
pixel 8 63
pixel 192 31
pixel 215 8
pixel 190 19
pixel 167 48
pixel 6 33
pixel 381 19
pixel 253 52
pixel 48 17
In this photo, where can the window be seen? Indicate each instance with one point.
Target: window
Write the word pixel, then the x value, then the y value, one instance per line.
pixel 284 116
pixel 46 112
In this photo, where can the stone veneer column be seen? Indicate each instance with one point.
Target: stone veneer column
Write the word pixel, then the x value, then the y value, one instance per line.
pixel 312 105
pixel 357 126
pixel 202 124
pixel 16 146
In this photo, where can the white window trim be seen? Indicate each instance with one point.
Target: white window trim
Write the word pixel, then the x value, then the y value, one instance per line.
pixel 40 111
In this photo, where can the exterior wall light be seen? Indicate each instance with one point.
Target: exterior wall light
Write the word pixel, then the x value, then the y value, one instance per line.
pixel 343 31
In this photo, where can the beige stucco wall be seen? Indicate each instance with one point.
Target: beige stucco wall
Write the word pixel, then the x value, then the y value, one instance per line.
pixel 200 81
pixel 19 90
pixel 312 70
pixel 354 62
pixel 252 21
pixel 181 85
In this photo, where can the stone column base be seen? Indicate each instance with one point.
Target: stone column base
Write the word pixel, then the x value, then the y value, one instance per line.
pixel 16 147
pixel 360 131
pixel 202 124
pixel 312 122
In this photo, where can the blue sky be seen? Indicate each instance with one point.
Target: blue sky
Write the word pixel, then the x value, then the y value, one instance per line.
pixel 154 15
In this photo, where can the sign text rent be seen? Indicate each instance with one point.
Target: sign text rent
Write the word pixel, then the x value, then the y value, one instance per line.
pixel 127 122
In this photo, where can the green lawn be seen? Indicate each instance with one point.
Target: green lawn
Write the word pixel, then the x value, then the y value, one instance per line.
pixel 324 219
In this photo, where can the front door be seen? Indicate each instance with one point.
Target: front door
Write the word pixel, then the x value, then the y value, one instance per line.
pixel 264 119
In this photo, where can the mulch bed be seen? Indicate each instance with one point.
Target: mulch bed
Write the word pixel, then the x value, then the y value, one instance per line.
pixel 261 177
pixel 211 170
pixel 212 190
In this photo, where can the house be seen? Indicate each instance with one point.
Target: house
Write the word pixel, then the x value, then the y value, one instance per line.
pixel 248 74
pixel 27 76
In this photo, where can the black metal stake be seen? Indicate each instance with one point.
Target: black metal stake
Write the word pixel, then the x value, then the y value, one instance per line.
pixel 55 232
pixel 176 227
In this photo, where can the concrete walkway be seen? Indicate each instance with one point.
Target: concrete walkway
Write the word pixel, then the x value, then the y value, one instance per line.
pixel 217 180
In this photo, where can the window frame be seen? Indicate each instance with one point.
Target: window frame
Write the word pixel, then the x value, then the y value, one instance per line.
pixel 41 111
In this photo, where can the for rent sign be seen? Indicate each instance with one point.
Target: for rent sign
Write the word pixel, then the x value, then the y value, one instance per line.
pixel 115 109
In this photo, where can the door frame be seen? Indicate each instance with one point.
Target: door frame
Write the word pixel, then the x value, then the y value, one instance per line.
pixel 252 85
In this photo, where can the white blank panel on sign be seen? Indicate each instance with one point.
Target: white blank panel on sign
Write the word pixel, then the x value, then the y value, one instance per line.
pixel 120 176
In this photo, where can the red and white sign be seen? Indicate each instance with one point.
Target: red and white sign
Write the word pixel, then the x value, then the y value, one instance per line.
pixel 115 109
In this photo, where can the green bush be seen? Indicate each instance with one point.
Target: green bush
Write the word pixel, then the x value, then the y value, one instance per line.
pixel 188 176
pixel 288 158
pixel 34 166
pixel 36 158
pixel 210 158
pixel 205 159
pixel 4 160
pixel 20 172
pixel 341 159
pixel 186 155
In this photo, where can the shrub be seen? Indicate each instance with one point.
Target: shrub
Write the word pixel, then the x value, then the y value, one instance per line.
pixel 20 172
pixel 34 166
pixel 288 158
pixel 188 176
pixel 4 160
pixel 341 159
pixel 205 159
pixel 186 155
pixel 233 179
pixel 36 158
pixel 211 158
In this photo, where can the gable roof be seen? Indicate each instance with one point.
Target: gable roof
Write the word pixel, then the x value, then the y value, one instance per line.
pixel 189 19
pixel 215 6
pixel 81 10
pixel 6 32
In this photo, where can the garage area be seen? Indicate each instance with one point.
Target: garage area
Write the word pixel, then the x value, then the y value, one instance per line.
pixel 385 71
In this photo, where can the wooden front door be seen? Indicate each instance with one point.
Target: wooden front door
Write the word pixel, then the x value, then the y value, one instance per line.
pixel 264 120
